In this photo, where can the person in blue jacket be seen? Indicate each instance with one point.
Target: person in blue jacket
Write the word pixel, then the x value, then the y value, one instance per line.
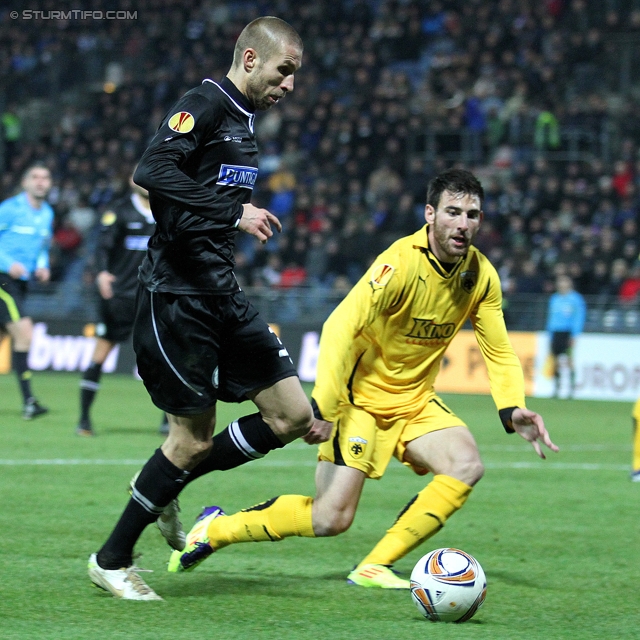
pixel 25 234
pixel 565 321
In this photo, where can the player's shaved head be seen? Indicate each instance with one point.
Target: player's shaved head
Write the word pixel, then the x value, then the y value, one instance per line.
pixel 266 36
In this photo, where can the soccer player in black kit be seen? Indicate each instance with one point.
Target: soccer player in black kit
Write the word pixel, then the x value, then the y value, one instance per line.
pixel 197 338
pixel 125 230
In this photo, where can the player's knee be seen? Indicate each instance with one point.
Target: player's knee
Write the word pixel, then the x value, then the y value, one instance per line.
pixel 469 470
pixel 295 423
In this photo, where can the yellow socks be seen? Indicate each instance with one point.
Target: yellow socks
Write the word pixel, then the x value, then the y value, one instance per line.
pixel 270 521
pixel 636 436
pixel 421 518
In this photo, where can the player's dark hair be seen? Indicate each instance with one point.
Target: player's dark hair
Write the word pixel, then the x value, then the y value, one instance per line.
pixel 265 35
pixel 38 164
pixel 457 181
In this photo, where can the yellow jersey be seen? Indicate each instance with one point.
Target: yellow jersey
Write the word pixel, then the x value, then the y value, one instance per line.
pixel 382 346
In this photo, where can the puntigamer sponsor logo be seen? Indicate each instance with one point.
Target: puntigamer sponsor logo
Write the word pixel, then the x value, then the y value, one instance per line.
pixel 237 176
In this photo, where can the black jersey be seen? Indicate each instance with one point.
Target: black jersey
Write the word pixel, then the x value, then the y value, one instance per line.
pixel 200 168
pixel 125 229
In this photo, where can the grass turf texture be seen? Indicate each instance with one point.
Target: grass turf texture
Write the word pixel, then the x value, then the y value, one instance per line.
pixel 558 539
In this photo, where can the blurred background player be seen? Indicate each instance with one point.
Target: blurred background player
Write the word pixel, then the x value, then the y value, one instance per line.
pixel 124 235
pixel 380 353
pixel 635 468
pixel 25 235
pixel 565 321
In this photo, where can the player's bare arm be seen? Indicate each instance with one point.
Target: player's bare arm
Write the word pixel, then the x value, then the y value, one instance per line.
pixel 257 222
pixel 530 425
pixel 104 280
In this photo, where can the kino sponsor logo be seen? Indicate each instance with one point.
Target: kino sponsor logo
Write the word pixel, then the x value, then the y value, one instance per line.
pixel 427 330
pixel 64 353
pixel 237 176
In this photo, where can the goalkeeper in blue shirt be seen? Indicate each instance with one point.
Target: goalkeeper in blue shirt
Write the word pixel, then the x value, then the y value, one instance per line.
pixel 565 321
pixel 25 234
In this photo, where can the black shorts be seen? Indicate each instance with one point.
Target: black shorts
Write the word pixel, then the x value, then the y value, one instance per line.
pixel 560 342
pixel 12 296
pixel 194 350
pixel 116 318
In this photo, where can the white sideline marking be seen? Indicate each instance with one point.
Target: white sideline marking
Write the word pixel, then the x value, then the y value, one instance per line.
pixel 560 466
pixel 69 462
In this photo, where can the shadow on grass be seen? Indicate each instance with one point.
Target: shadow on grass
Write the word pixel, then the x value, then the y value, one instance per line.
pixel 229 584
pixel 512 579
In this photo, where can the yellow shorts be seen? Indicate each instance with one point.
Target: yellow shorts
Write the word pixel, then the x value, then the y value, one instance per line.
pixel 364 441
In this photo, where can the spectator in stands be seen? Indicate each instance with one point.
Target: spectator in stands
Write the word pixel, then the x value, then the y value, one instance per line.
pixel 629 291
pixel 376 92
pixel 529 279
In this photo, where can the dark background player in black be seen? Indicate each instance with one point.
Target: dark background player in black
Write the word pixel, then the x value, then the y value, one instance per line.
pixel 196 336
pixel 124 235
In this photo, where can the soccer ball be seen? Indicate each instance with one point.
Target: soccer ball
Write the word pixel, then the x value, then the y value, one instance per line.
pixel 448 585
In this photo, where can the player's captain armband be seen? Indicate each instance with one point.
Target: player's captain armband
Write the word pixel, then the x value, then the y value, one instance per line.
pixel 381 275
pixel 181 122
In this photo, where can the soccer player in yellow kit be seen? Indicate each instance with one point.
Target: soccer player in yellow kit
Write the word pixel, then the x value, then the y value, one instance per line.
pixel 380 353
pixel 635 468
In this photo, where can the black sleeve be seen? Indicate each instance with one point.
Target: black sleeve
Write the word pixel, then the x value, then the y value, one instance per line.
pixel 316 410
pixel 107 239
pixel 159 168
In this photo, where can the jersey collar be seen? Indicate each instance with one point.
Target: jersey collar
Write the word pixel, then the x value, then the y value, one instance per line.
pixel 235 94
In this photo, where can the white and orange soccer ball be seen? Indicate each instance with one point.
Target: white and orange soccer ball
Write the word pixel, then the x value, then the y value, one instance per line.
pixel 448 585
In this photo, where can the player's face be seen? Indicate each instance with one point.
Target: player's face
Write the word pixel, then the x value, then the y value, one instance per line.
pixel 272 79
pixel 37 183
pixel 453 225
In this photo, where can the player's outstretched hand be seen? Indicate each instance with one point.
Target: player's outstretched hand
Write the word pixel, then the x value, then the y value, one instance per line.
pixel 531 427
pixel 320 432
pixel 257 222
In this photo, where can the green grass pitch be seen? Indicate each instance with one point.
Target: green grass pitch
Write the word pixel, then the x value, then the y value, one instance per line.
pixel 558 539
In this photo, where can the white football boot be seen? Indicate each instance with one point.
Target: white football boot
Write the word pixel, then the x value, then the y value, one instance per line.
pixel 121 583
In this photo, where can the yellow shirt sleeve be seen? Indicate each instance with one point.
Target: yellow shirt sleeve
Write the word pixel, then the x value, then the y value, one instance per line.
pixel 379 289
pixel 504 368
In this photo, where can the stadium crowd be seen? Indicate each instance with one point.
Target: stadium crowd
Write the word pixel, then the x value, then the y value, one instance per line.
pixel 390 92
